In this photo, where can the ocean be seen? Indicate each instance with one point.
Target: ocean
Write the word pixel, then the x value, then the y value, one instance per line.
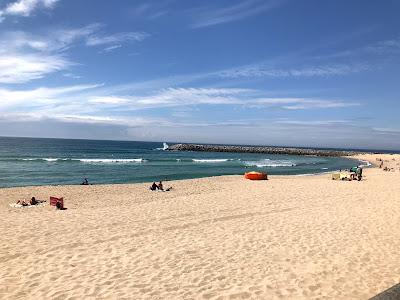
pixel 37 161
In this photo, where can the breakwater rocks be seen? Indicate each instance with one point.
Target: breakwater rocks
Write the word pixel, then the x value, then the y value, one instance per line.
pixel 261 149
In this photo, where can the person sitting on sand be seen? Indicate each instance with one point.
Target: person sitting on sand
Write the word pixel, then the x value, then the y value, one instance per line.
pixel 33 201
pixel 85 181
pixel 22 202
pixel 160 186
pixel 154 186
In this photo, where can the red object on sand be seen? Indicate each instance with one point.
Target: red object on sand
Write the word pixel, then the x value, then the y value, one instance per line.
pixel 255 176
pixel 55 200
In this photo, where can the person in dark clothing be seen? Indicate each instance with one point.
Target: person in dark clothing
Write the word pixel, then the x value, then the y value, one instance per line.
pixel 154 187
pixel 359 173
pixel 33 201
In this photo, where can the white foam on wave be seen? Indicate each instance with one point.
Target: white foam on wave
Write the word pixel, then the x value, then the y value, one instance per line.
pixel 365 163
pixel 111 160
pixel 90 160
pixel 211 160
pixel 45 159
pixel 50 159
pixel 269 163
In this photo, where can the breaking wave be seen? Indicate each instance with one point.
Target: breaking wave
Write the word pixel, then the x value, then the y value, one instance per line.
pixel 264 163
pixel 211 160
pixel 42 159
pixel 89 160
pixel 111 160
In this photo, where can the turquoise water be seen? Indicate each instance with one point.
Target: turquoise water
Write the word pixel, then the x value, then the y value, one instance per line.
pixel 28 161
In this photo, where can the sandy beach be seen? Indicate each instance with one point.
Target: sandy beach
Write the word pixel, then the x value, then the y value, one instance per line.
pixel 291 237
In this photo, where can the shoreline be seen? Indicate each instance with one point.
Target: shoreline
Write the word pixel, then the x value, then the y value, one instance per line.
pixel 291 237
pixel 351 157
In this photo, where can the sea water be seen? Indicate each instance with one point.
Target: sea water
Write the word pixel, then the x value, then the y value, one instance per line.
pixel 36 161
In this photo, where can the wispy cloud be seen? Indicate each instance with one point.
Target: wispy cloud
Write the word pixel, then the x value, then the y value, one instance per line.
pixel 19 68
pixel 117 38
pixel 303 103
pixel 111 48
pixel 211 16
pixel 150 11
pixel 25 56
pixel 261 70
pixel 71 75
pixel 387 131
pixel 62 39
pixel 384 47
pixel 315 122
pixel 180 97
pixel 173 97
pixel 25 7
pixel 21 99
pixel 93 100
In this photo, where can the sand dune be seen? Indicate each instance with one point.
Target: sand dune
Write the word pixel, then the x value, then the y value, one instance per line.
pixel 292 237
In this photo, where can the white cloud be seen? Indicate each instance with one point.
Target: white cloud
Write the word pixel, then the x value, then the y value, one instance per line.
pixel 384 47
pixel 315 122
pixel 25 57
pixel 39 96
pixel 313 71
pixel 71 75
pixel 96 40
pixel 108 100
pixel 172 97
pixel 180 97
pixel 59 40
pixel 38 116
pixel 303 103
pixel 26 7
pixel 111 48
pixel 19 68
pixel 89 106
pixel 92 100
pixel 388 131
pixel 213 16
pixel 55 40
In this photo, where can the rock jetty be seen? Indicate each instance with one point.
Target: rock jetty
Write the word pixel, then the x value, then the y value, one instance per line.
pixel 260 149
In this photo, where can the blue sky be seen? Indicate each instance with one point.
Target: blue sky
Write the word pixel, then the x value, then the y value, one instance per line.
pixel 274 72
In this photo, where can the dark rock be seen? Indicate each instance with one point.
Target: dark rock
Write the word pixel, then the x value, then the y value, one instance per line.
pixel 260 149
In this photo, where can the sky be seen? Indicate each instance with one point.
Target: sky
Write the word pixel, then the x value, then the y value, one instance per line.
pixel 263 72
